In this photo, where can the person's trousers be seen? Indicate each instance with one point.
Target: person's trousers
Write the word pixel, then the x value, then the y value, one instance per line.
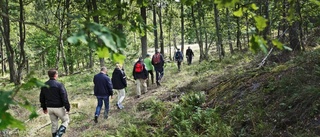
pixel 189 60
pixel 121 95
pixel 56 114
pixel 179 65
pixel 152 76
pixel 141 83
pixel 159 74
pixel 99 106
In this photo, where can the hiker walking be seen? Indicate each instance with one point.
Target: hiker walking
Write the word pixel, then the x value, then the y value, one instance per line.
pixel 102 91
pixel 54 100
pixel 119 83
pixel 178 57
pixel 140 74
pixel 158 63
pixel 147 61
pixel 189 55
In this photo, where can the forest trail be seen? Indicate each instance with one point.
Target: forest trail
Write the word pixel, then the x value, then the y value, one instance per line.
pixel 85 106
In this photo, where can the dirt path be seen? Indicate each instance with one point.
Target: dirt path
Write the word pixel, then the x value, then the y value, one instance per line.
pixel 85 107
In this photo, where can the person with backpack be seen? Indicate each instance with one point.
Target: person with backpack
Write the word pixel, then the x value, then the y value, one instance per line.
pixel 189 54
pixel 102 90
pixel 178 57
pixel 158 63
pixel 148 62
pixel 119 83
pixel 140 74
pixel 54 101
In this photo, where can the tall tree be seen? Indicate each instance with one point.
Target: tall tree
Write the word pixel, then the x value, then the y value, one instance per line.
pixel 144 46
pixel 182 26
pixel 218 32
pixel 5 30
pixel 161 29
pixel 229 32
pixel 155 28
pixel 22 35
pixel 96 20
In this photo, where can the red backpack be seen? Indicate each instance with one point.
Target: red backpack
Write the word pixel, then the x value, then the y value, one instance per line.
pixel 156 58
pixel 138 67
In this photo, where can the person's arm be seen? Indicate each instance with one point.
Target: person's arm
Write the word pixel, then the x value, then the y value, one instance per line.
pixel 123 79
pixel 109 86
pixel 43 101
pixel 64 97
pixel 133 74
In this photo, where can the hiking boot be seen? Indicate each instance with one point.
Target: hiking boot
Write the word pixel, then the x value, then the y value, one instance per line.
pixel 61 130
pixel 138 96
pixel 158 83
pixel 121 106
pixel 54 134
pixel 118 106
pixel 106 115
pixel 95 119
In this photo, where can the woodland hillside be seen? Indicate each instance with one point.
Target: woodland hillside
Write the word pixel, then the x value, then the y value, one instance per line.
pixel 255 71
pixel 204 99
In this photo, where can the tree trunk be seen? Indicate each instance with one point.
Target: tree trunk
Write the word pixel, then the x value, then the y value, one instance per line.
pixel 229 33
pixel 161 31
pixel 238 31
pixel 219 42
pixel 298 9
pixel 6 38
pixel 22 58
pixel 89 8
pixel 70 57
pixel 247 29
pixel 182 26
pixel 2 57
pixel 155 28
pixel 144 46
pixel 294 31
pixel 199 40
pixel 96 20
pixel 284 21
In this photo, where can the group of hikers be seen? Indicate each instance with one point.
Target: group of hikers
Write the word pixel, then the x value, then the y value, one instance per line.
pixel 54 98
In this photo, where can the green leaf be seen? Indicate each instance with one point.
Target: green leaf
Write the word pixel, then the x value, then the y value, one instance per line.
pixel 254 6
pixel 315 2
pixel 8 121
pixel 277 43
pixel 238 13
pixel 261 23
pixel 287 48
pixel 92 44
pixel 226 3
pixel 116 57
pixel 256 43
pixel 103 52
pixel 73 39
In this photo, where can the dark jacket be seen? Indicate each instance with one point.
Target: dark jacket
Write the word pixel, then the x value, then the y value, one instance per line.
pixel 118 79
pixel 178 56
pixel 102 85
pixel 54 96
pixel 140 75
pixel 159 65
pixel 189 53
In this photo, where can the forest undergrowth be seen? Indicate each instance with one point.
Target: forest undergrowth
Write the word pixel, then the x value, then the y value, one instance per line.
pixel 214 99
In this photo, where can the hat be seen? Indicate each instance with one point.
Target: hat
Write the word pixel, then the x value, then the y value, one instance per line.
pixel 148 55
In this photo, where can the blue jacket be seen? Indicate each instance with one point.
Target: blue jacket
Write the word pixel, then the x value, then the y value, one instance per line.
pixel 102 85
pixel 118 79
